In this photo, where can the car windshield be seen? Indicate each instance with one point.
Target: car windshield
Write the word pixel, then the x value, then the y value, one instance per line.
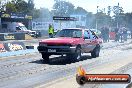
pixel 23 28
pixel 74 33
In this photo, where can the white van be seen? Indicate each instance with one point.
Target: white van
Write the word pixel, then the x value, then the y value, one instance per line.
pixel 18 27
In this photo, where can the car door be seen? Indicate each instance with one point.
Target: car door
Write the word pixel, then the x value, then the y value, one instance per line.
pixel 93 39
pixel 87 47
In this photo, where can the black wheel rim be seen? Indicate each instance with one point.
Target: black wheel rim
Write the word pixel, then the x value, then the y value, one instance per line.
pixel 97 52
pixel 78 54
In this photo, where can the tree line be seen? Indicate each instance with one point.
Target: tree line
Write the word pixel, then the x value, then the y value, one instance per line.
pixel 63 8
pixel 21 6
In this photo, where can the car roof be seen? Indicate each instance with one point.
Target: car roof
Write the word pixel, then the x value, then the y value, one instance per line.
pixel 77 28
pixel 73 28
pixel 87 29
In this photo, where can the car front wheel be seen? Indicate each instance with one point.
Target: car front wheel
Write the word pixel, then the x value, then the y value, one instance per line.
pixel 75 56
pixel 45 57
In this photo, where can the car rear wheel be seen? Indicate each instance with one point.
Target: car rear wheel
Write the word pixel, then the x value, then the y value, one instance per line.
pixel 95 52
pixel 45 57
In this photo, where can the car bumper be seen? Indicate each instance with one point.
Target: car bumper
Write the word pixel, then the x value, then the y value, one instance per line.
pixel 56 50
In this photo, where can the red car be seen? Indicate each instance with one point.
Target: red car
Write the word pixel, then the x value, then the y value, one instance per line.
pixel 72 42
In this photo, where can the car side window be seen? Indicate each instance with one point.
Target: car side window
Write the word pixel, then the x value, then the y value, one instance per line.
pixel 86 35
pixel 92 35
pixel 77 34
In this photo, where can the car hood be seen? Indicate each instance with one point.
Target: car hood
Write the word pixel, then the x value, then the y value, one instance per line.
pixel 60 40
pixel 31 31
pixel 28 31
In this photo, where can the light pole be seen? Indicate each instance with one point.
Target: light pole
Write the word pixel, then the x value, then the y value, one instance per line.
pixel 97 18
pixel 60 8
pixel 118 16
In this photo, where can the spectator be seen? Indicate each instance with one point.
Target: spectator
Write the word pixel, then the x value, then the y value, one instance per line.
pixel 117 36
pixel 51 31
pixel 124 34
pixel 107 34
pixel 121 34
pixel 103 34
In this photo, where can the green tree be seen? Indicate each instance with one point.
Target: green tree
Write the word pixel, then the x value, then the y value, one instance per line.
pixel 45 14
pixel 101 19
pixel 21 6
pixel 90 20
pixel 118 16
pixel 10 7
pixel 118 10
pixel 128 20
pixel 17 6
pixel 63 8
pixel 31 6
pixel 80 10
pixel 2 7
pixel 36 13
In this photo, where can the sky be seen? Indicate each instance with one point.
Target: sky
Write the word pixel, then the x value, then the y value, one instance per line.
pixel 89 5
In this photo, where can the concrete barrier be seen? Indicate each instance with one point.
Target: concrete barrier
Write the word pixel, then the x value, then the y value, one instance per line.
pixel 19 36
pixel 8 49
pixel 14 36
pixel 28 37
pixel 2 48
pixel 14 46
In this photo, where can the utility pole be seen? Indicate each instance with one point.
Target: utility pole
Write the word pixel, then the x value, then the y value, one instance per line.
pixel 109 10
pixel 60 13
pixel 97 18
pixel 118 15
